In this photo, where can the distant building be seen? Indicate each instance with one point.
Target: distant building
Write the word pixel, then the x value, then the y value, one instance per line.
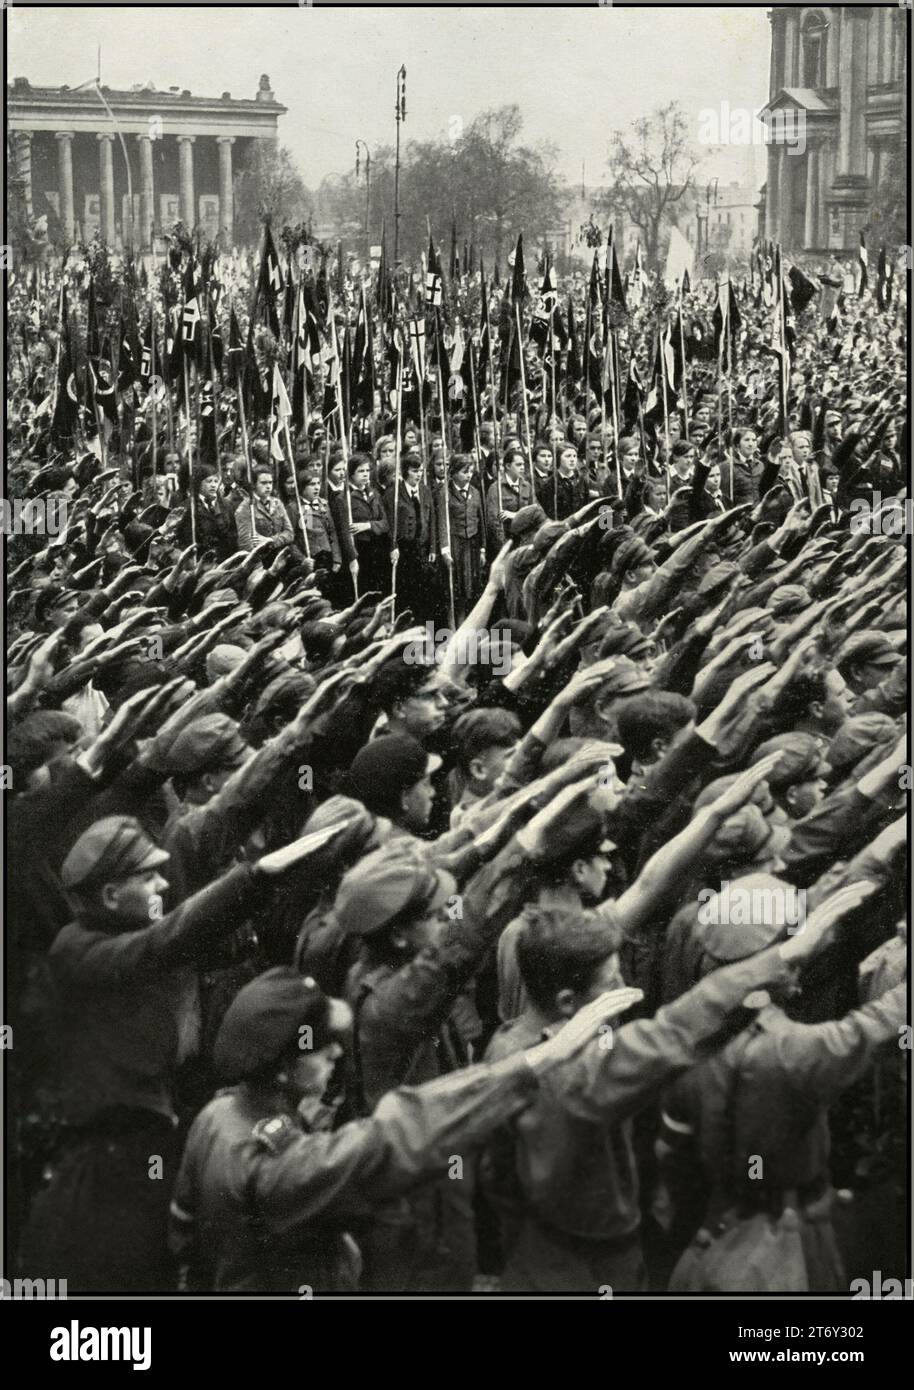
pixel 838 77
pixel 184 154
pixel 720 217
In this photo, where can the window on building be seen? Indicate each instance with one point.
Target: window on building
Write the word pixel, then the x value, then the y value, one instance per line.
pixel 815 32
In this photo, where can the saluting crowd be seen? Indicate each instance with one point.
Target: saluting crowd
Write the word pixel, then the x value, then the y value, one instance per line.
pixel 456 834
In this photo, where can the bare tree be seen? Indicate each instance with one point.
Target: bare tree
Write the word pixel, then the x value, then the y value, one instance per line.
pixel 271 187
pixel 651 169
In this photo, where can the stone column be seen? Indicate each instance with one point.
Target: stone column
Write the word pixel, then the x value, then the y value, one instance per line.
pixel 64 140
pixel 810 224
pixel 147 192
pixel 825 160
pixel 785 197
pixel 22 168
pixel 106 187
pixel 791 47
pixel 226 193
pixel 772 194
pixel 186 184
pixel 850 191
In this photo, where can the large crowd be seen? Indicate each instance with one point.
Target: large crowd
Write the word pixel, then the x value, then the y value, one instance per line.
pixel 461 848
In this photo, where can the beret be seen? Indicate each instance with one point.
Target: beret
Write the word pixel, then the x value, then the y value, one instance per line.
pixel 268 1015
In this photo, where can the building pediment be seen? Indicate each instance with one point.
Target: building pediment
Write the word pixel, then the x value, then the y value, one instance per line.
pixel 813 101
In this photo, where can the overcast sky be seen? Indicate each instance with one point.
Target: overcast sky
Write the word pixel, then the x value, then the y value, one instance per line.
pixel 576 73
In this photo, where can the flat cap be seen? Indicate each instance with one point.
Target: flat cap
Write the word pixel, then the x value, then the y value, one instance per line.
pixel 112 848
pixel 268 1015
pixel 388 882
pixel 223 658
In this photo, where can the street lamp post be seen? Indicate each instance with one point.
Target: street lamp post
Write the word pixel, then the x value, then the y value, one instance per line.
pixel 401 116
pixel 367 185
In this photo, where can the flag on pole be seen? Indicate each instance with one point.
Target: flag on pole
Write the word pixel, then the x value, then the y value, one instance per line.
pixel 636 285
pixel 66 403
pixel 884 281
pixel 518 275
pixel 803 290
pixel 484 363
pixel 615 291
pixel 680 261
pixel 863 258
pixel 191 317
pixel 417 349
pixel 434 280
pixel 280 414
pixel 269 285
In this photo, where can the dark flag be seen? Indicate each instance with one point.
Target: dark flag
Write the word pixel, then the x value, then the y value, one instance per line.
pixel 128 357
pixel 518 275
pixel 615 291
pixel 573 363
pixel 322 291
pixel 208 449
pixel 191 317
pixel 269 285
pixel 288 306
pixel 384 292
pixel 434 280
pixel 235 347
pixel 93 340
pixel 257 393
pixel 884 281
pixel 686 283
pixel 484 363
pixel 216 343
pixel 727 323
pixel 802 290
pixel 146 353
pixel 66 404
pixel 455 255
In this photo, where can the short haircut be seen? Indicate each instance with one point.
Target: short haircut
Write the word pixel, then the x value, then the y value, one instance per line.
pixel 262 470
pixel 480 729
pixel 562 948
pixel 32 737
pixel 648 715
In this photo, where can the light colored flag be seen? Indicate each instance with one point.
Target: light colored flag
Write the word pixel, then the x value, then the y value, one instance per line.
pixel 679 258
pixel 280 414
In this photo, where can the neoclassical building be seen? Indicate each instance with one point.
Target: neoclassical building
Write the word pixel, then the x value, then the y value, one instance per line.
pixel 838 78
pixel 163 156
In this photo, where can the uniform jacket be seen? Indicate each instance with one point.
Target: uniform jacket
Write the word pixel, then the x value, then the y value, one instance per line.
pixel 262 1204
pixel 126 1003
pixel 270 519
pixel 513 497
pixel 465 515
pixel 407 527
pixel 570 1162
pixel 215 526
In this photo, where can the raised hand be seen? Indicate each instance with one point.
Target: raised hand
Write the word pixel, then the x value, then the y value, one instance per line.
pixel 582 1028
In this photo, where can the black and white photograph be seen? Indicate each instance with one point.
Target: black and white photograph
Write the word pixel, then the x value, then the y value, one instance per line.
pixel 456 772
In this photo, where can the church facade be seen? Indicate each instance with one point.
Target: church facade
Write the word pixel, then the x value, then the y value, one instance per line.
pixel 836 117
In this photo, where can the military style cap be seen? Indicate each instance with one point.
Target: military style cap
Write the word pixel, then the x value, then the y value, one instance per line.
pixel 266 1017
pixel 788 598
pixel 210 742
pixel 113 848
pixel 870 648
pixel 717 576
pixel 857 736
pixel 624 678
pixel 388 882
pixel 801 760
pixel 774 907
pixel 525 521
pixel 747 837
